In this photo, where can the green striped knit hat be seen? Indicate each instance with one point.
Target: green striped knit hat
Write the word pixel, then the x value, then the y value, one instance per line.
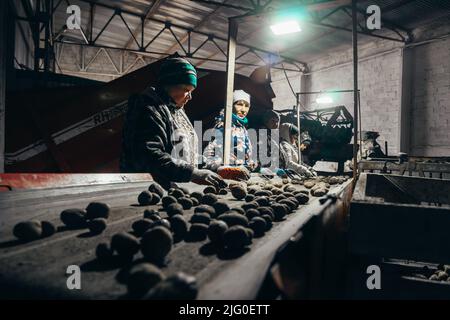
pixel 175 71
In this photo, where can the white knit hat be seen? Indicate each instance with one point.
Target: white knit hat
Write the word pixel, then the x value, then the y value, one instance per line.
pixel 241 95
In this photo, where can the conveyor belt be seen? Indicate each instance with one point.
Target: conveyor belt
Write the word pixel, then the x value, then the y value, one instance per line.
pixel 37 269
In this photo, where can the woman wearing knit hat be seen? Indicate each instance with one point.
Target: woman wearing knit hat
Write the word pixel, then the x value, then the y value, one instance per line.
pixel 241 149
pixel 289 151
pixel 158 137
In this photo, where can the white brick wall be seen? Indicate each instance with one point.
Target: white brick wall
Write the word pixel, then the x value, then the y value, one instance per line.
pixel 430 111
pixel 284 98
pixel 380 82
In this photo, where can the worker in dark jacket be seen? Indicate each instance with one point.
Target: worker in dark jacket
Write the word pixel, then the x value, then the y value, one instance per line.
pixel 158 137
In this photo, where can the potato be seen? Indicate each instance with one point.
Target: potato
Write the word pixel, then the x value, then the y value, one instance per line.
pixel 156 244
pixel 289 188
pixel 210 189
pixel 223 192
pixel 301 198
pixel 221 207
pixel 155 199
pixel 197 195
pixel 167 200
pixel 249 197
pixel 179 226
pixel 103 252
pixel 309 184
pixel 320 192
pixel 232 219
pixel 216 231
pixel 74 218
pixel 198 231
pixel 156 188
pixel 186 203
pixel 209 199
pixel 48 229
pixel 268 186
pixel 236 238
pixel 289 203
pixel 263 193
pixel 125 244
pixel 145 198
pixel 238 192
pixel 277 184
pixel 96 226
pixel 251 213
pixel 163 223
pixel 141 226
pixel 250 235
pixel 195 202
pixel 201 217
pixel 174 208
pixel 206 208
pixel 266 210
pixel 333 180
pixel 238 210
pixel 258 225
pixel 279 211
pixel 277 191
pixel 97 210
pixel 253 189
pixel 262 201
pixel 268 220
pixel 149 213
pixel 142 278
pixel 176 287
pixel 286 207
pixel 28 230
pixel 288 194
pixel 250 205
pixel 176 193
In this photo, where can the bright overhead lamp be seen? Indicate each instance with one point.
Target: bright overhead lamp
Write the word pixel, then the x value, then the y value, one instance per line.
pixel 324 100
pixel 286 27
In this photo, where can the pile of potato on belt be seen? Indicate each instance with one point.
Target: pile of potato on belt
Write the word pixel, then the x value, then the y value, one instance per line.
pixel 227 228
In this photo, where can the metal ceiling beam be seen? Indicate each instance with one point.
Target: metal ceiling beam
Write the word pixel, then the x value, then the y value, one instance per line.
pixel 215 3
pixel 116 10
pixel 396 5
pixel 150 13
pixel 325 25
pixel 150 53
pixel 204 21
pixel 385 22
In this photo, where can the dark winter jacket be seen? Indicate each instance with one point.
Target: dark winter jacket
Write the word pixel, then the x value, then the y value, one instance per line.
pixel 147 145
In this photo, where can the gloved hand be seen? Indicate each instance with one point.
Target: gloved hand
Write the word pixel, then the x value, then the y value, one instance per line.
pixel 203 176
pixel 313 172
pixel 281 173
pixel 266 172
pixel 306 171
